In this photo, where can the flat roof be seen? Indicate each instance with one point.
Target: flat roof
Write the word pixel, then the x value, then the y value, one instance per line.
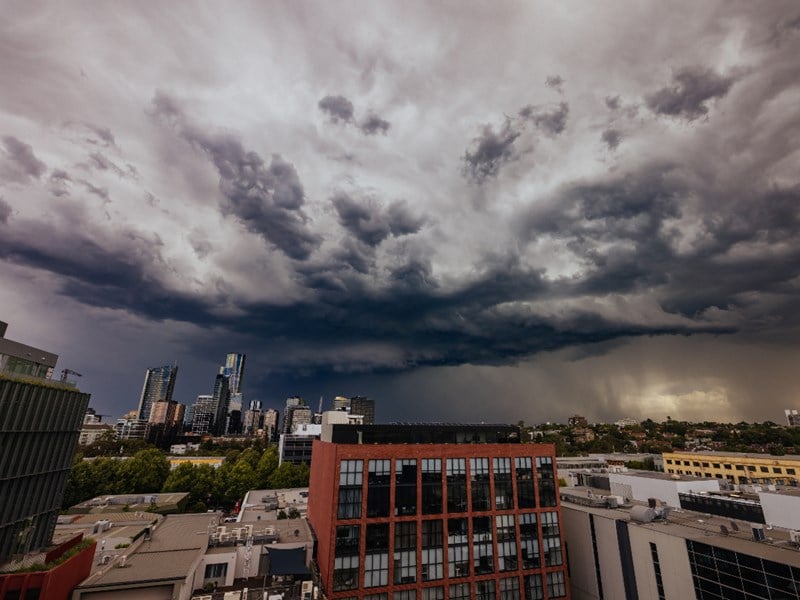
pixel 663 476
pixel 423 433
pixel 699 527
pixel 754 455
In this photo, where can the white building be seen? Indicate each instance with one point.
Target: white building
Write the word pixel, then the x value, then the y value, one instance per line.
pixel 643 485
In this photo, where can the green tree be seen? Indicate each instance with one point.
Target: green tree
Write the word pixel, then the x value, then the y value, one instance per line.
pixel 80 483
pixel 198 480
pixel 235 481
pixel 265 467
pixel 145 472
pixel 250 456
pixel 288 476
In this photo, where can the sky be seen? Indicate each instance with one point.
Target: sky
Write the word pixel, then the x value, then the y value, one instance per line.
pixel 468 211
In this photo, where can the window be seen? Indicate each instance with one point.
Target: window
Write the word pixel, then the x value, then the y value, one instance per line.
pixel 556 587
pixel 347 539
pixel 764 469
pixel 695 463
pixel 376 559
pixel 705 464
pixel 456 485
pixel 378 483
pixel 686 463
pixel 727 466
pixel 405 595
pixel 739 467
pixel 506 543
pixel 524 471
pixel 751 467
pixel 216 571
pixel 790 471
pixel 547 482
pixel 345 573
pixel 460 591
pixel 405 495
pixel 777 470
pixel 509 588
pixel 383 596
pixel 669 461
pixel 482 549
pixel 503 492
pixel 529 541
pixel 433 593
pixel 431 486
pixel 432 550
pixel 351 474
pixel 657 568
pixel 457 548
pixel 551 539
pixel 479 473
pixel 405 552
pixel 484 590
pixel 533 587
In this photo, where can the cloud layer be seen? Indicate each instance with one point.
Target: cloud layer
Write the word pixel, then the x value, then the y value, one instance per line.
pixel 372 210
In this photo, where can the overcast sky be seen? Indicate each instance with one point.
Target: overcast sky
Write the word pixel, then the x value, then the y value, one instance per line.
pixel 468 211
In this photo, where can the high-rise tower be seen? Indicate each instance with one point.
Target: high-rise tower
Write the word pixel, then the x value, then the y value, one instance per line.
pixel 159 382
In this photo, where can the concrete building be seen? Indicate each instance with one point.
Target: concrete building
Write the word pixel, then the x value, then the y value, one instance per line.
pixel 91 432
pixel 159 383
pixel 296 447
pixel 640 552
pixel 361 405
pixel 643 485
pixel 203 413
pixel 435 511
pixel 131 429
pixel 792 417
pixel 295 414
pixel 22 359
pixel 40 422
pixel 737 467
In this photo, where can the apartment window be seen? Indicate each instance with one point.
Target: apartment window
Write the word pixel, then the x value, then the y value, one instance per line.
pixel 551 539
pixel 347 539
pixel 405 494
pixel 529 541
pixel 431 486
pixel 376 560
pixel 547 481
pixel 405 552
pixel 506 543
pixel 764 469
pixel 482 548
pixel 705 464
pixel 503 491
pixel 686 463
pixel 669 461
pixel 715 465
pixel 383 596
pixel 432 550
pixel 456 485
pixel 479 474
pixel 433 593
pixel 351 476
pixel 751 467
pixel 379 481
pixel 405 595
pixel 727 466
pixel 460 591
pixel 484 590
pixel 556 586
pixel 657 569
pixel 457 548
pixel 739 467
pixel 534 590
pixel 345 573
pixel 216 571
pixel 695 463
pixel 777 470
pixel 790 471
pixel 509 588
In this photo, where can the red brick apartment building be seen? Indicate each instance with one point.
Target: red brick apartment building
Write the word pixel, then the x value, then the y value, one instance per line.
pixel 435 512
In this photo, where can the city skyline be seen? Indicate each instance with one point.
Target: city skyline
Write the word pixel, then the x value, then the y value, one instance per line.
pixel 463 211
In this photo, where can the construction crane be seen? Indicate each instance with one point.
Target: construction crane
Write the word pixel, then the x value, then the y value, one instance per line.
pixel 66 372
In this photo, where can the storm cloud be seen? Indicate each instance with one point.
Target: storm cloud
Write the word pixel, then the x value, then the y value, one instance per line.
pixel 338 108
pixel 19 163
pixel 688 95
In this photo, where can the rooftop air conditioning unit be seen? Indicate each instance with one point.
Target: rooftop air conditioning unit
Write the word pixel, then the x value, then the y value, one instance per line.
pixel 123 561
pixel 794 537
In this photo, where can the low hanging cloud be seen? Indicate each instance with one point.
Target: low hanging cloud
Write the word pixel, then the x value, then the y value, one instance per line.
pixel 18 163
pixel 556 82
pixel 371 223
pixel 267 198
pixel 338 108
pixel 552 121
pixel 5 211
pixel 58 182
pixel 612 138
pixel 691 90
pixel 491 150
pixel 374 124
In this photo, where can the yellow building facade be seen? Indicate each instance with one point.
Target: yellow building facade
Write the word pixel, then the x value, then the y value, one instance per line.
pixel 737 467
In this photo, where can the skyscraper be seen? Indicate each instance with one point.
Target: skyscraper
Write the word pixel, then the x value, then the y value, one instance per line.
pixel 234 370
pixel 361 405
pixel 159 382
pixel 221 399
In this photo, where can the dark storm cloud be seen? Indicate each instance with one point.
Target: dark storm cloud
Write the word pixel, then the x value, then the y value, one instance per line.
pixel 338 108
pixel 370 223
pixel 97 135
pixel 556 82
pixel 612 137
pixel 374 124
pixel 267 198
pixel 98 160
pixel 688 95
pixel 553 121
pixel 5 211
pixel 20 164
pixel 491 150
pixel 612 102
pixel 100 192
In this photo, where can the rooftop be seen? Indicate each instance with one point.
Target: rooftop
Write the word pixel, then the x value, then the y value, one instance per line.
pixel 424 433
pixel 720 454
